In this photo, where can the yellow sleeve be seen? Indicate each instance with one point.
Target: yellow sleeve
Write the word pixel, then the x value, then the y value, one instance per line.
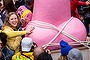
pixel 14 33
pixel 11 33
pixel 0 31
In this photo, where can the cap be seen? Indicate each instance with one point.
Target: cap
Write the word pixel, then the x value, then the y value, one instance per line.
pixel 65 48
pixel 75 54
pixel 26 44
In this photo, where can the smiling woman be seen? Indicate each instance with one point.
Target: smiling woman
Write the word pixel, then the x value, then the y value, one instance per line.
pixel 12 20
pixel 12 24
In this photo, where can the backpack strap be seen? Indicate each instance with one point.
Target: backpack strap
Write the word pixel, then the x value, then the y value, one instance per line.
pixel 25 55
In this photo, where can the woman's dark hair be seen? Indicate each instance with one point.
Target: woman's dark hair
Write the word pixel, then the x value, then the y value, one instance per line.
pixel 3 38
pixel 44 56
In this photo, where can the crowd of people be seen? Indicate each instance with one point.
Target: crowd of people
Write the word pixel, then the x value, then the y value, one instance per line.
pixel 15 46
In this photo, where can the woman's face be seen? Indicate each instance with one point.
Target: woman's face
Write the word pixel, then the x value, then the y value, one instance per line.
pixel 1 4
pixel 13 20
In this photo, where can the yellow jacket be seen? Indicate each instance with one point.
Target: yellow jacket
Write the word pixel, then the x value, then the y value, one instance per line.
pixel 14 38
pixel 19 56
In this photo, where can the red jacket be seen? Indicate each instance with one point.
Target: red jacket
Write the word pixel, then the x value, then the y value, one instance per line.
pixel 74 5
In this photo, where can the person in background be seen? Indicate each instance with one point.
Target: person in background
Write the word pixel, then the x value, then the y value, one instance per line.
pixel 5 53
pixel 11 24
pixel 85 12
pixel 9 6
pixel 41 54
pixel 65 48
pixel 75 5
pixel 75 54
pixel 18 3
pixel 25 53
pixel 29 4
pixel 37 51
pixel 3 40
pixel 44 56
pixel 67 51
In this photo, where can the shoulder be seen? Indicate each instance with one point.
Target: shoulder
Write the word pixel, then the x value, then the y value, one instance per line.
pixel 7 28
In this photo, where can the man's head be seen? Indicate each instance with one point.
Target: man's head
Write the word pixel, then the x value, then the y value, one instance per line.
pixel 75 54
pixel 44 56
pixel 37 51
pixel 41 54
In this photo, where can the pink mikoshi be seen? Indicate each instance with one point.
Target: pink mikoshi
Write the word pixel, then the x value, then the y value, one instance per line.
pixel 53 22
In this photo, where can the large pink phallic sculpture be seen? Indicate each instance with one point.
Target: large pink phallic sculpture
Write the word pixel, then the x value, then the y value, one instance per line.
pixel 53 22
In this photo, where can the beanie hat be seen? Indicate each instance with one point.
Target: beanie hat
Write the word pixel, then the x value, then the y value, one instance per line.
pixel 75 54
pixel 65 48
pixel 26 44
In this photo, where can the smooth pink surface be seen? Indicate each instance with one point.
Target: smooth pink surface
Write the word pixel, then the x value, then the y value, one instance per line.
pixel 52 11
pixel 55 12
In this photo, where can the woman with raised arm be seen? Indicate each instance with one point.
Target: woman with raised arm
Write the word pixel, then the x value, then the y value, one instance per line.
pixel 11 25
